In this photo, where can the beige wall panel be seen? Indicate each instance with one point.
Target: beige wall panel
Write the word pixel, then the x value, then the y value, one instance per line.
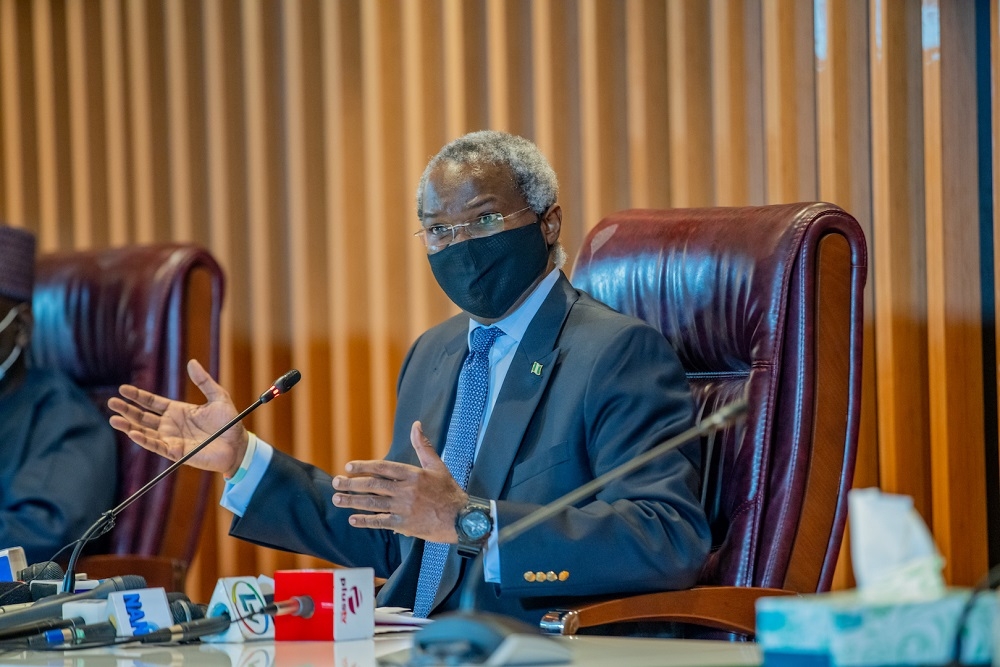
pixel 953 289
pixel 118 183
pixel 424 134
pixel 648 135
pixel 689 114
pixel 181 162
pixel 81 213
pixel 898 252
pixel 12 204
pixel 737 61
pixel 602 114
pixel 385 238
pixel 557 116
pixel 844 128
pixel 307 247
pixel 789 101
pixel 269 344
pixel 304 211
pixel 219 554
pixel 140 111
pixel 45 117
pixel 344 159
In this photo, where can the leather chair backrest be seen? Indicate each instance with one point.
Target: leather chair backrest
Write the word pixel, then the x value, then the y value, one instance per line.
pixel 135 315
pixel 764 302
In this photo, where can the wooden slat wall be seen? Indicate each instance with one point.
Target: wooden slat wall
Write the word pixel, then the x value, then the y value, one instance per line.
pixel 288 137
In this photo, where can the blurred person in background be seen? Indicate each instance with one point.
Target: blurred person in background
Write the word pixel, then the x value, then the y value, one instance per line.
pixel 58 456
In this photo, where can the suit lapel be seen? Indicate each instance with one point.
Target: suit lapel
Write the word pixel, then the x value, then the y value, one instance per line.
pixel 527 378
pixel 521 391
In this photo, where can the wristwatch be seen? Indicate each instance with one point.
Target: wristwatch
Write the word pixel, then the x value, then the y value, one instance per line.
pixel 473 525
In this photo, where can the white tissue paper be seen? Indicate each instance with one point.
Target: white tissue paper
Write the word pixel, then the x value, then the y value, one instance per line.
pixel 893 553
pixel 901 612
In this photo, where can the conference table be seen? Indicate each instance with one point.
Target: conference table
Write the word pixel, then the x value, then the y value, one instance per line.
pixel 384 651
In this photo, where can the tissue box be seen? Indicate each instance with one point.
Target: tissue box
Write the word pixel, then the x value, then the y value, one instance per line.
pixel 844 629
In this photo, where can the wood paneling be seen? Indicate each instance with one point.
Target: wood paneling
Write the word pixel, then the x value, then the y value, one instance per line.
pixel 898 251
pixel 789 101
pixel 954 331
pixel 288 136
pixel 843 127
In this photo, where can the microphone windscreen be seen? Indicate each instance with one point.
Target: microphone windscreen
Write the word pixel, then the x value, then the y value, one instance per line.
pixel 287 381
pixel 125 582
pixel 45 570
pixel 185 610
pixel 14 592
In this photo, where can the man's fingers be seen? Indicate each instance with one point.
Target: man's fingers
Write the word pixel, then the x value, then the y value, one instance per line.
pixel 150 401
pixel 378 521
pixel 133 414
pixel 369 503
pixel 206 385
pixel 145 438
pixel 428 456
pixel 385 469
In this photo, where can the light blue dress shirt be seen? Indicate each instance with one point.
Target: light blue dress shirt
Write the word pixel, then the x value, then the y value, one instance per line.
pixel 236 496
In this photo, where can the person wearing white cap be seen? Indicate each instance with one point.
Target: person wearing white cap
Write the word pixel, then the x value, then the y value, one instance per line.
pixel 56 451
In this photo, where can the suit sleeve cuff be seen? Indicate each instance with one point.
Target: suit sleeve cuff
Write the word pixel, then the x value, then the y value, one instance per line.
pixel 491 557
pixel 241 487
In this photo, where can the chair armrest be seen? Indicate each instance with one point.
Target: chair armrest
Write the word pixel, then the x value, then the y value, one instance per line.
pixel 727 608
pixel 158 571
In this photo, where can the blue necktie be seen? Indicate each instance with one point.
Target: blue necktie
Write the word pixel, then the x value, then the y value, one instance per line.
pixel 459 452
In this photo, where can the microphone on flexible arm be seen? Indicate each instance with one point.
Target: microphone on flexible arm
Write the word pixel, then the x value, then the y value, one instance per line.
pixel 20 623
pixel 299 605
pixel 468 636
pixel 75 634
pixel 106 521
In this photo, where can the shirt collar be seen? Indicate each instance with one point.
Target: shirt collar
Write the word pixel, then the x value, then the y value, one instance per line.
pixel 515 324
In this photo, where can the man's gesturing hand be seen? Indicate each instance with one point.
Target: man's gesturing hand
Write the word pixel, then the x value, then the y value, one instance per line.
pixel 173 428
pixel 422 502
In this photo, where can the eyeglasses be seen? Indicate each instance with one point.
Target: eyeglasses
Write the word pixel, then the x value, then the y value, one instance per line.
pixel 439 237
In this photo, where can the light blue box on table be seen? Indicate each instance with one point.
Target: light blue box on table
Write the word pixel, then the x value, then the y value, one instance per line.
pixel 844 629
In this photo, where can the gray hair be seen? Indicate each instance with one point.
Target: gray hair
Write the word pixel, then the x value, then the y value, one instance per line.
pixel 534 178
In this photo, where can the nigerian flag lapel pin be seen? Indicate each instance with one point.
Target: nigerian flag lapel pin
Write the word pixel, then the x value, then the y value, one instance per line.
pixel 536 368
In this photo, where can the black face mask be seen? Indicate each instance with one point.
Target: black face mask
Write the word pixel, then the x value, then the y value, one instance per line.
pixel 485 276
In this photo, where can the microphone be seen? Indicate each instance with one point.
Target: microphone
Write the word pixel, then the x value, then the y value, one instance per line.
pixel 300 605
pixel 52 606
pixel 18 591
pixel 106 521
pixel 47 569
pixel 36 627
pixel 73 635
pixel 467 636
pixel 180 632
pixel 13 594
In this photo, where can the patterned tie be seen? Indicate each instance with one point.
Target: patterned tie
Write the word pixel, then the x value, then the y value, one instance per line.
pixel 459 452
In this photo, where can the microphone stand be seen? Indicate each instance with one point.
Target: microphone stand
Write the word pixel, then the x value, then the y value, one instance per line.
pixel 451 632
pixel 106 521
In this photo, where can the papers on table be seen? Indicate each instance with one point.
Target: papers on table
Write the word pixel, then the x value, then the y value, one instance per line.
pixel 397 619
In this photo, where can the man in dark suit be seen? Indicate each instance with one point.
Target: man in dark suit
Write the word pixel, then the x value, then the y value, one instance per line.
pixel 533 390
pixel 54 443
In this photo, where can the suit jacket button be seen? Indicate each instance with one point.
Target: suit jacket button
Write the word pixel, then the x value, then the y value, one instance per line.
pixel 550 576
pixel 529 576
pixel 539 576
pixel 564 575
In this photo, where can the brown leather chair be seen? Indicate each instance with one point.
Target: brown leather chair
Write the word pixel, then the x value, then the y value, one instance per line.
pixel 764 302
pixel 135 315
